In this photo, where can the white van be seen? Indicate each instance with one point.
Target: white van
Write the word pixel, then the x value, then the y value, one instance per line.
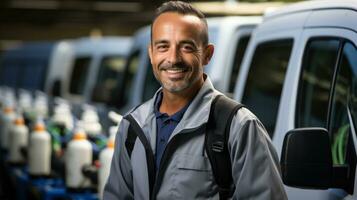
pixel 230 35
pixel 95 69
pixel 35 65
pixel 300 70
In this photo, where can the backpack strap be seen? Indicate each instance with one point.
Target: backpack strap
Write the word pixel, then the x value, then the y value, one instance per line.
pixel 222 111
pixel 135 131
pixel 131 137
pixel 130 140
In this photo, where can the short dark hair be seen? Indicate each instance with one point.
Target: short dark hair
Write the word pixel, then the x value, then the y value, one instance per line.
pixel 183 8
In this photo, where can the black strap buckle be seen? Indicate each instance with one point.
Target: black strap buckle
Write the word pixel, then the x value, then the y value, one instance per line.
pixel 218 146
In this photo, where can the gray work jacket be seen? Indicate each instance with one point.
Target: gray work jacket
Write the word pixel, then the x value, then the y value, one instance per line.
pixel 188 173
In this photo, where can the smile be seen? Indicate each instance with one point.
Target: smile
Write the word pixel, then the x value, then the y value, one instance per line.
pixel 175 73
pixel 176 70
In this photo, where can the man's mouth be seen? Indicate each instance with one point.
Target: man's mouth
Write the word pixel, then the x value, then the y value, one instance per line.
pixel 176 70
pixel 175 73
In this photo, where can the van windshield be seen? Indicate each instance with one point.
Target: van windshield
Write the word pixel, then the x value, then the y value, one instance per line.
pixel 126 87
pixel 79 75
pixel 111 72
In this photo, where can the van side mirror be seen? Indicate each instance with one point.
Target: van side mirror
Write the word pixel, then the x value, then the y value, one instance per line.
pixel 306 160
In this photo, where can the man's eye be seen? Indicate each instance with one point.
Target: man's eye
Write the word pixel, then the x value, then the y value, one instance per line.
pixel 188 48
pixel 161 47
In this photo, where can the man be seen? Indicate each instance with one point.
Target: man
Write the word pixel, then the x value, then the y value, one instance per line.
pixel 171 125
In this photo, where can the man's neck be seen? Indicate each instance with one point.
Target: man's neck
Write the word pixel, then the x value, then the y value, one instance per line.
pixel 174 102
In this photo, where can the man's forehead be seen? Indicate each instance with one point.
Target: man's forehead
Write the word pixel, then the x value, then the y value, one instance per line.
pixel 174 17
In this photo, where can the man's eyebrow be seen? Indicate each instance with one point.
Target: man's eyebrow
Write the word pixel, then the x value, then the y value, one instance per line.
pixel 161 42
pixel 191 42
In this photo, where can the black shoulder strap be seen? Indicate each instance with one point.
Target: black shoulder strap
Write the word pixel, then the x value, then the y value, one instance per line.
pixel 135 131
pixel 131 137
pixel 130 140
pixel 222 111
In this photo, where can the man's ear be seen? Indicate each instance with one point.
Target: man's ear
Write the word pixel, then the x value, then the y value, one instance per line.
pixel 150 52
pixel 208 53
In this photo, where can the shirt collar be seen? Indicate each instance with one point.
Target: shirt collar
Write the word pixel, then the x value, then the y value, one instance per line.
pixel 176 117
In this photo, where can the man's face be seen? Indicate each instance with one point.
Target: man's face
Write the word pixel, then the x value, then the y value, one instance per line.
pixel 177 52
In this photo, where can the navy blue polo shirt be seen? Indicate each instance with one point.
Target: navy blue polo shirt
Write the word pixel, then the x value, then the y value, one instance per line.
pixel 165 126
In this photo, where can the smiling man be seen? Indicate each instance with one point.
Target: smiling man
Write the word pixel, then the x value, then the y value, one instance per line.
pixel 178 52
pixel 161 146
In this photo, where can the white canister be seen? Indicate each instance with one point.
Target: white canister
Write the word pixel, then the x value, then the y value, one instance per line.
pixel 90 122
pixel 78 154
pixel 8 117
pixel 40 151
pixel 18 138
pixel 105 160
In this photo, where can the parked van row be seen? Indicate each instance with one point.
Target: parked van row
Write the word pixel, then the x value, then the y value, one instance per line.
pixel 84 70
pixel 76 69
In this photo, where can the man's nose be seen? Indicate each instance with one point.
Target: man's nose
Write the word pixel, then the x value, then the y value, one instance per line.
pixel 174 55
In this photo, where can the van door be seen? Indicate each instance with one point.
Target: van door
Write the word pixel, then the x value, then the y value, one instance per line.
pixel 262 75
pixel 323 96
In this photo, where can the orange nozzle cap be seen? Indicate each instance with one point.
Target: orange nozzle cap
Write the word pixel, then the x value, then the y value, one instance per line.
pixel 79 136
pixel 40 127
pixel 110 144
pixel 8 110
pixel 19 121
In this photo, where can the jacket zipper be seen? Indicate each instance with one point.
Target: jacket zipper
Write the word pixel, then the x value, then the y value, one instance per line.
pixel 170 148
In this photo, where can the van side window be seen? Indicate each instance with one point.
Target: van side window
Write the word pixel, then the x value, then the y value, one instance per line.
pixel 79 75
pixel 111 71
pixel 242 46
pixel 343 99
pixel 150 85
pixel 265 80
pixel 319 60
pixel 349 61
pixel 126 85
